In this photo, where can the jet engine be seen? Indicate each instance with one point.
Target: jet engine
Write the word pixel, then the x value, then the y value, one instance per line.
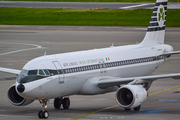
pixel 15 99
pixel 131 96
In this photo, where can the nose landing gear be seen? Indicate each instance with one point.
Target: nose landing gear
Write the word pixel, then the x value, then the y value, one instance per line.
pixel 57 104
pixel 43 113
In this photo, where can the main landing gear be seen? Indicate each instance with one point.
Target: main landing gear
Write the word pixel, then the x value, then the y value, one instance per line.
pixel 65 102
pixel 61 101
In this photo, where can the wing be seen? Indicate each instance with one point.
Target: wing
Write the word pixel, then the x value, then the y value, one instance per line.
pixel 109 82
pixel 8 70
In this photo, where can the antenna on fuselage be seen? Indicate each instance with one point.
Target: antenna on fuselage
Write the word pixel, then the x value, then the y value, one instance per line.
pixel 44 53
pixel 112 45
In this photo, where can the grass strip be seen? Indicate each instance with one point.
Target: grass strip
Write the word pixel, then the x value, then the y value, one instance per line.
pixel 82 17
pixel 95 0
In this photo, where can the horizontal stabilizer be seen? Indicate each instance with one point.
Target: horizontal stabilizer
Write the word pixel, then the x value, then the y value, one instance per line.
pixel 172 53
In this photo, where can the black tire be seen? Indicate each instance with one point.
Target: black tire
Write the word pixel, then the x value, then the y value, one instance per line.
pixel 57 103
pixel 40 114
pixel 137 108
pixel 45 114
pixel 66 103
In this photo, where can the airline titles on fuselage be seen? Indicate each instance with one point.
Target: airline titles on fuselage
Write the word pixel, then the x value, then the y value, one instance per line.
pixel 83 62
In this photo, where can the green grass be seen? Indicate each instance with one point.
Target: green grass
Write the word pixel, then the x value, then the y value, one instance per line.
pixel 96 0
pixel 82 17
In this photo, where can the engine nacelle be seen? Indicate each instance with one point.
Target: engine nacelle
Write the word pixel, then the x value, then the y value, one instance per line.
pixel 131 96
pixel 15 99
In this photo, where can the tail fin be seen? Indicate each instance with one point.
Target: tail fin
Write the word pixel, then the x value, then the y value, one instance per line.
pixel 156 30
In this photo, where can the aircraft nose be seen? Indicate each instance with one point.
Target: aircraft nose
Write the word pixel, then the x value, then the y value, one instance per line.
pixel 20 88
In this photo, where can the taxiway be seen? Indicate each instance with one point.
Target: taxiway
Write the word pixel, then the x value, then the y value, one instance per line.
pixel 23 43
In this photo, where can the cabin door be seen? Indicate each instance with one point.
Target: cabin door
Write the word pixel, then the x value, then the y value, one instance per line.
pixel 157 56
pixel 60 71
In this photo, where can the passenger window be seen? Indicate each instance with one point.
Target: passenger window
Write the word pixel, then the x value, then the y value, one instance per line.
pixel 41 72
pixel 107 64
pixel 32 72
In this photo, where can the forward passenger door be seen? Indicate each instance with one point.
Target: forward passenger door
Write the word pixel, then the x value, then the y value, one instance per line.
pixel 60 71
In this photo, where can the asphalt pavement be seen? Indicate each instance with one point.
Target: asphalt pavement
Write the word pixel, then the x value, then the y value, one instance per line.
pixel 15 51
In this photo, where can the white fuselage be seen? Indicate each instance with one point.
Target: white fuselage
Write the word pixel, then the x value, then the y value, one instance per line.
pixel 76 68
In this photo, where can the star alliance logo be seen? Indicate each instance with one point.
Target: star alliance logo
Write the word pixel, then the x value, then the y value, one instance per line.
pixel 161 15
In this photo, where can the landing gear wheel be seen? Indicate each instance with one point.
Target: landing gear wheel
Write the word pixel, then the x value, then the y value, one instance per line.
pixel 66 103
pixel 40 114
pixel 137 108
pixel 57 103
pixel 45 114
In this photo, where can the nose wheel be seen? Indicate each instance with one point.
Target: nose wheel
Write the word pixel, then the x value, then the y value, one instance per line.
pixel 43 113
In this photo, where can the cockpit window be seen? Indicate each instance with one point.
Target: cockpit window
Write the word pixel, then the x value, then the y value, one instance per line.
pixel 53 72
pixel 41 72
pixel 24 72
pixel 32 75
pixel 32 72
pixel 46 72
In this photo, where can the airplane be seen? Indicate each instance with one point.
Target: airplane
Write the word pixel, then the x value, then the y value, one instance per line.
pixel 124 69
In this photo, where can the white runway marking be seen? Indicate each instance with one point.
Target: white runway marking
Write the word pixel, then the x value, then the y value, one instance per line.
pixel 36 47
pixel 128 7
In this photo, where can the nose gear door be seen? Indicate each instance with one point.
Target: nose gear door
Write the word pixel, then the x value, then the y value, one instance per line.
pixel 60 71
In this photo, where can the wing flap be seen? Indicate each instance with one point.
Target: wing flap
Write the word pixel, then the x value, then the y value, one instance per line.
pixel 11 71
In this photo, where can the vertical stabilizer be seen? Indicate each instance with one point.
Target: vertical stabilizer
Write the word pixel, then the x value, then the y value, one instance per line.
pixel 156 29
